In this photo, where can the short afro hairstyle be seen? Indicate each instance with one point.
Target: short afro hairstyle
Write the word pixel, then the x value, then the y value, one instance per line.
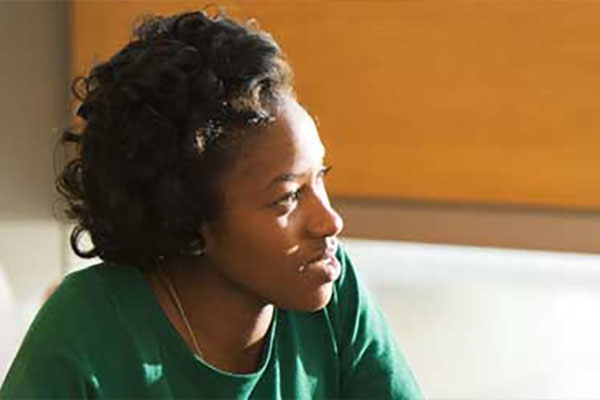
pixel 162 119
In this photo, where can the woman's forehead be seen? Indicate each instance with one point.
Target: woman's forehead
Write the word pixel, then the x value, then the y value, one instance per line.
pixel 289 145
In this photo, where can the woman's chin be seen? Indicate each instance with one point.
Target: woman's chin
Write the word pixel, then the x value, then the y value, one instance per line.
pixel 314 301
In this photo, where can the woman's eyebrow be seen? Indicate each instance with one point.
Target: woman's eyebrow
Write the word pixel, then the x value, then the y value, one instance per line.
pixel 287 177
pixel 290 176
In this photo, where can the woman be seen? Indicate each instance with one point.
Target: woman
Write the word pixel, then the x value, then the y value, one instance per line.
pixel 201 183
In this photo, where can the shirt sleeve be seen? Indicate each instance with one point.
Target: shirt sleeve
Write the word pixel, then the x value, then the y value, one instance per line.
pixel 371 364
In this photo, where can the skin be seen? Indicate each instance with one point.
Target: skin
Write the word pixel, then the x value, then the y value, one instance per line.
pixel 272 246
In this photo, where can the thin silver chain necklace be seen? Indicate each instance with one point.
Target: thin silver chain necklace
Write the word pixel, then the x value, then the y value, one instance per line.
pixel 175 299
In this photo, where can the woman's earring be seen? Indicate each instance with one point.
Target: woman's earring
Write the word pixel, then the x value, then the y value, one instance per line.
pixel 198 247
pixel 198 252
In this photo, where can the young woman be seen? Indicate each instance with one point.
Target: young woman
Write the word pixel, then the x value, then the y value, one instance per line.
pixel 200 180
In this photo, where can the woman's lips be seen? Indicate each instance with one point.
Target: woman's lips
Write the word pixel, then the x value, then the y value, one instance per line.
pixel 323 254
pixel 325 268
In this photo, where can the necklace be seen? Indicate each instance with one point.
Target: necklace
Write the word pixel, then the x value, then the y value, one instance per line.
pixel 175 299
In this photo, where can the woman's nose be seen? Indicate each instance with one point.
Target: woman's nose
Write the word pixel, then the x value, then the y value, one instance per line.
pixel 324 220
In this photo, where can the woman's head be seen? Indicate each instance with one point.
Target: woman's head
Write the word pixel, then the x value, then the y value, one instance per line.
pixel 193 144
pixel 165 118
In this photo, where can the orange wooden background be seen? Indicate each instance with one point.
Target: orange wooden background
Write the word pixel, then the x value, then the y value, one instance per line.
pixel 456 101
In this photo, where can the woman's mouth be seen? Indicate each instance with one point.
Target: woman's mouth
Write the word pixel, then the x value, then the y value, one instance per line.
pixel 324 267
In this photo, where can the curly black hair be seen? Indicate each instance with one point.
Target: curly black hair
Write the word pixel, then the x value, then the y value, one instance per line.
pixel 163 118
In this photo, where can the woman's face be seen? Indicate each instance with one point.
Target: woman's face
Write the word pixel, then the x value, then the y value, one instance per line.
pixel 276 235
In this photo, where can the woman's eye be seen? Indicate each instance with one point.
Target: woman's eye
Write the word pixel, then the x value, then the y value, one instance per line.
pixel 324 171
pixel 289 199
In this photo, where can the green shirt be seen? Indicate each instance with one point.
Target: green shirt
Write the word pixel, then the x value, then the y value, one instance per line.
pixel 102 334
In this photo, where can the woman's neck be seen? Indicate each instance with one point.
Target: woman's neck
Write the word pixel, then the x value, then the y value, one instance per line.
pixel 229 324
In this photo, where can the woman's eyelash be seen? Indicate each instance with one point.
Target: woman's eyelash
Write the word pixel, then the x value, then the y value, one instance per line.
pixel 294 196
pixel 288 197
pixel 325 170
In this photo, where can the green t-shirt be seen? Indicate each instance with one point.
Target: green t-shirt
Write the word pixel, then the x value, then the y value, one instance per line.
pixel 102 334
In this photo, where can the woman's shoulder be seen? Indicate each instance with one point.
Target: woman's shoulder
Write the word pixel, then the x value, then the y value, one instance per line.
pixel 89 309
pixel 347 287
pixel 77 290
pixel 78 332
pixel 93 286
pixel 351 304
pixel 88 303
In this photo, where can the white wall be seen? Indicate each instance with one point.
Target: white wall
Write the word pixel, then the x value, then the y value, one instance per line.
pixel 483 323
pixel 33 94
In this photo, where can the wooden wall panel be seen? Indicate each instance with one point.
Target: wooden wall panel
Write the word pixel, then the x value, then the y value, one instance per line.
pixel 469 102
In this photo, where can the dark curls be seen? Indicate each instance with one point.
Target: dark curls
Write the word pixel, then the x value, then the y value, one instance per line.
pixel 162 120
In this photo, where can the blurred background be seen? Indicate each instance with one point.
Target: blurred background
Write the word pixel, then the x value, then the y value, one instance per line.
pixel 464 136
